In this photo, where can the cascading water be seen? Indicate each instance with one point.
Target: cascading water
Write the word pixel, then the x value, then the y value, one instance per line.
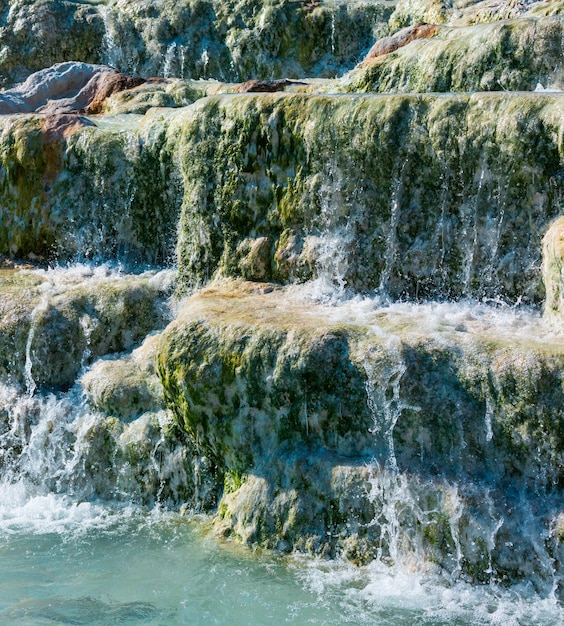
pixel 414 436
pixel 113 53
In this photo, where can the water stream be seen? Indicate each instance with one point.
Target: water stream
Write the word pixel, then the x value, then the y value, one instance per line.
pixel 82 543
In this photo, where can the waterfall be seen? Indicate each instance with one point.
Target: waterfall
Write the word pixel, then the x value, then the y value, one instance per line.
pixel 169 58
pixel 112 52
pixel 321 317
pixel 29 381
pixel 390 254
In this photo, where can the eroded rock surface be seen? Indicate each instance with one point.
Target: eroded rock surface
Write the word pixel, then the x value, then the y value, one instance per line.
pixel 66 88
pixel 437 403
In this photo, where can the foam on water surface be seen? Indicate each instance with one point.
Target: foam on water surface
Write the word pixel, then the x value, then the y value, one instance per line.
pixel 139 567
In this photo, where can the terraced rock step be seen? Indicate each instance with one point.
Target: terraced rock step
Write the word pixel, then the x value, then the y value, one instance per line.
pixel 419 196
pixel 315 417
pixel 54 323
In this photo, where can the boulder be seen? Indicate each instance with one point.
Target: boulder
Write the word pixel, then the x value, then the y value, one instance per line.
pixel 66 88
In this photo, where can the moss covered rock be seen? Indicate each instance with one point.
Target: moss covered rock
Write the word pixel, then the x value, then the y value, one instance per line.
pixel 37 33
pixel 240 40
pixel 54 323
pixel 498 56
pixel 107 191
pixel 552 268
pixel 319 420
pixel 417 196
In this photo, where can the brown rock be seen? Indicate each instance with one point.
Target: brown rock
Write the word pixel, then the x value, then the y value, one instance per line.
pixel 108 84
pixel 400 39
pixel 62 125
pixel 71 87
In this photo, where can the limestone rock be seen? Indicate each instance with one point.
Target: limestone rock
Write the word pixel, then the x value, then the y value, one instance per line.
pixel 316 419
pixel 128 386
pixel 51 325
pixel 411 12
pixel 100 192
pixel 169 93
pixel 493 56
pixel 62 125
pixel 553 268
pixel 240 41
pixel 403 37
pixel 35 34
pixel 280 167
pixel 66 88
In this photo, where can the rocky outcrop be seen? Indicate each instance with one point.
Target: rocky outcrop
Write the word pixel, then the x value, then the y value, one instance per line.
pixel 386 45
pixel 255 375
pixel 510 55
pixel 66 88
pixel 225 40
pixel 362 192
pixel 53 324
pixel 418 196
pixel 35 34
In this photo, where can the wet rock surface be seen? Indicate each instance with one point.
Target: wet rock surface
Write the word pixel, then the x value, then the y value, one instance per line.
pixel 437 405
pixel 387 387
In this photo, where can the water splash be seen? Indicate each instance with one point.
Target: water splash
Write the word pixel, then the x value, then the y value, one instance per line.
pixel 331 246
pixel 391 252
pixel 470 236
pixel 204 60
pixel 383 376
pixel 30 383
pixel 55 445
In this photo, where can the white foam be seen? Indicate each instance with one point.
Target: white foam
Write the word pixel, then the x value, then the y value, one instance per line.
pixel 25 509
pixel 378 594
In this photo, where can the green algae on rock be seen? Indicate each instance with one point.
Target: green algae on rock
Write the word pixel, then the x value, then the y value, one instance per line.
pixel 552 268
pixel 52 324
pixel 106 192
pixel 416 195
pixel 511 55
pixel 240 40
pixel 441 402
pixel 126 387
pixel 421 195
